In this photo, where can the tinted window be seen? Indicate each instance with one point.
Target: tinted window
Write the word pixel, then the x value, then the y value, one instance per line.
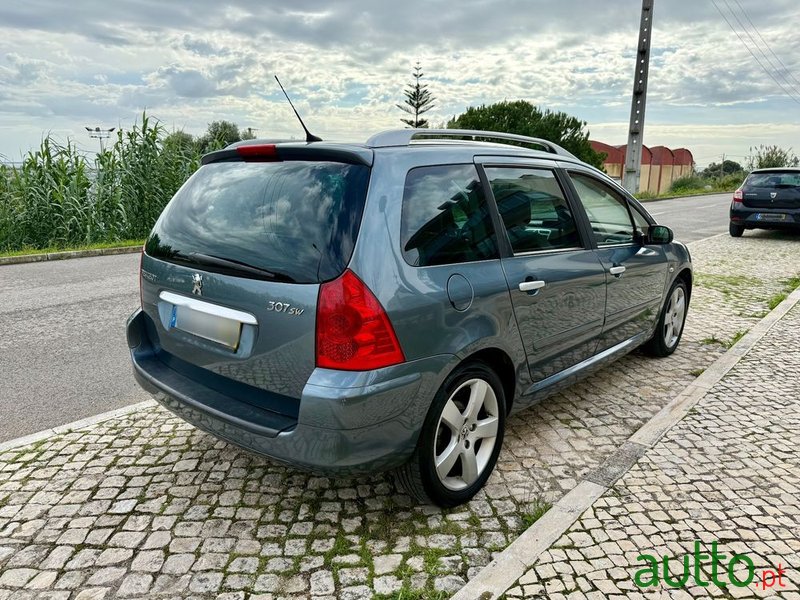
pixel 607 210
pixel 641 222
pixel 445 217
pixel 774 179
pixel 534 211
pixel 296 219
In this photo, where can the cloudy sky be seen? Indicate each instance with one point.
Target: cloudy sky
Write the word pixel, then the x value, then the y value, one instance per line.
pixel 65 65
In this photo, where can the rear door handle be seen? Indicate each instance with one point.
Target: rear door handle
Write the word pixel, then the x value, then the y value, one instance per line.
pixel 531 286
pixel 617 271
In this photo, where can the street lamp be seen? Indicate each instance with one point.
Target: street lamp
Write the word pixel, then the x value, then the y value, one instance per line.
pixel 100 134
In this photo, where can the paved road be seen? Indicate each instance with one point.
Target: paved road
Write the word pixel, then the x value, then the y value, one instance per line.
pixel 693 218
pixel 63 355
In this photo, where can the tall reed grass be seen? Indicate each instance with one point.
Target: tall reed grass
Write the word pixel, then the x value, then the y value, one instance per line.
pixel 58 197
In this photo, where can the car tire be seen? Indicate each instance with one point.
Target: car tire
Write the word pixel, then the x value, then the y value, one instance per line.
pixel 670 322
pixel 735 230
pixel 463 432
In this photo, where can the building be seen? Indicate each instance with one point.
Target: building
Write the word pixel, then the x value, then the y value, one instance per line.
pixel 660 165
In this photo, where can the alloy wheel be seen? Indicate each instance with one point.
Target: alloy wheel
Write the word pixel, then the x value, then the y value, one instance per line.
pixel 674 317
pixel 466 434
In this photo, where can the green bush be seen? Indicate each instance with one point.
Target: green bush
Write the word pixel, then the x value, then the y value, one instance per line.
pixel 57 197
pixel 687 183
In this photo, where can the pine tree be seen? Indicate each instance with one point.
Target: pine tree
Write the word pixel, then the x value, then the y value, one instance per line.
pixel 419 100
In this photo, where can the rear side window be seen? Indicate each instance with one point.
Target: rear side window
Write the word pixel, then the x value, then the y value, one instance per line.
pixel 535 213
pixel 296 219
pixel 445 217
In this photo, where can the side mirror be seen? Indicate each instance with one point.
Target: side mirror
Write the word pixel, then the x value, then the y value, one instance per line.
pixel 659 234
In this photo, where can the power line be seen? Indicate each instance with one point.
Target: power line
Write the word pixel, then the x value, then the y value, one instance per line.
pixel 761 37
pixel 758 46
pixel 744 43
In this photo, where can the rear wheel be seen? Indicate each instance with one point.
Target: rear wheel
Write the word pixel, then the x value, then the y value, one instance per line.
pixel 670 323
pixel 460 439
pixel 735 230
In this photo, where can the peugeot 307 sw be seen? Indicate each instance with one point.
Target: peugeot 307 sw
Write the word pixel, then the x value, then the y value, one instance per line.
pixel 347 308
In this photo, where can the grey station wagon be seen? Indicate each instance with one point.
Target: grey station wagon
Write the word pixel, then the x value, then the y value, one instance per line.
pixel 347 308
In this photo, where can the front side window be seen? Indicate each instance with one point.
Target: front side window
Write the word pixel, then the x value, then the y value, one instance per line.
pixel 445 218
pixel 535 212
pixel 607 211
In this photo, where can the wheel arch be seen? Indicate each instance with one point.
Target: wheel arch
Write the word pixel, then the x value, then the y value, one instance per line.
pixel 686 276
pixel 500 362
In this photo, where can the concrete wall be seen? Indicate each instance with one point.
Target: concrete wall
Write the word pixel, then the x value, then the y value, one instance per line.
pixel 660 165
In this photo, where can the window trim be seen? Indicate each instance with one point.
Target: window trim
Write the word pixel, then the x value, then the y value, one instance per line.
pixel 507 250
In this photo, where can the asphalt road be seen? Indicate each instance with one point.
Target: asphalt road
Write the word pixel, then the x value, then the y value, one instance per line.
pixel 693 218
pixel 63 355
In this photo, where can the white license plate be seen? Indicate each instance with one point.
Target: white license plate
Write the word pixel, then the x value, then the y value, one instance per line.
pixel 770 217
pixel 207 326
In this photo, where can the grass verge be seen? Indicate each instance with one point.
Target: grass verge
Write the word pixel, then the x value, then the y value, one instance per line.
pixel 97 246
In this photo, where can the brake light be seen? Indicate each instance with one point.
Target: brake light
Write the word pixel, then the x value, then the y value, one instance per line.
pixel 262 152
pixel 353 331
pixel 738 196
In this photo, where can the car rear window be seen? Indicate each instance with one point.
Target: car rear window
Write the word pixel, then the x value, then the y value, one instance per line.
pixel 774 179
pixel 297 219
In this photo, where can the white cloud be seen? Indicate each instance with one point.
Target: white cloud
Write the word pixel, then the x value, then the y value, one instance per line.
pixel 66 65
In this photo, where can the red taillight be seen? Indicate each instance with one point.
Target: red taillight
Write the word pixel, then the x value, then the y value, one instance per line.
pixel 738 196
pixel 258 152
pixel 353 331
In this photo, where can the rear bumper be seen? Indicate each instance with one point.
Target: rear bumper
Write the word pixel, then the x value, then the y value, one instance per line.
pixel 760 218
pixel 347 423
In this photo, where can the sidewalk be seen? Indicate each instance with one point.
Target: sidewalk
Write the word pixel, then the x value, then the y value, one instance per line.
pixel 142 504
pixel 728 474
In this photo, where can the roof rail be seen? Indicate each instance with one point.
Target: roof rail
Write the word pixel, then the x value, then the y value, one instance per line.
pixel 404 137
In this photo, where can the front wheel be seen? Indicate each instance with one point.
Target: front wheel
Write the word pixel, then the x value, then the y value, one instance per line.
pixel 460 439
pixel 670 323
pixel 735 230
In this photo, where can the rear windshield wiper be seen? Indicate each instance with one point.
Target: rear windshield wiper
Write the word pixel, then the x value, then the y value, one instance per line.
pixel 237 266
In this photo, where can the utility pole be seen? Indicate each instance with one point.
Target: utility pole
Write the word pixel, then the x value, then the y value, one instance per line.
pixel 633 154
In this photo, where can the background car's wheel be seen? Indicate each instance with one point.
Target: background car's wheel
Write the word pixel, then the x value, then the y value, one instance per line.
pixel 460 439
pixel 735 230
pixel 670 323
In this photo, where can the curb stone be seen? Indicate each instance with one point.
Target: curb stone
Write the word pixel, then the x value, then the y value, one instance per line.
pixel 513 562
pixel 29 258
pixel 75 425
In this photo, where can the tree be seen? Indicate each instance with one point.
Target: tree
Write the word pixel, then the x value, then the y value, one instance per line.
pixel 180 140
pixel 765 157
pixel 728 167
pixel 218 135
pixel 419 100
pixel 523 118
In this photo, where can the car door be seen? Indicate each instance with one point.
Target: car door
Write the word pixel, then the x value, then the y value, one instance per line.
pixel 636 273
pixel 557 284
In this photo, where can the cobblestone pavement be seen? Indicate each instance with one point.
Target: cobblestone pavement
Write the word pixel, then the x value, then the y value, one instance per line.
pixel 147 505
pixel 728 473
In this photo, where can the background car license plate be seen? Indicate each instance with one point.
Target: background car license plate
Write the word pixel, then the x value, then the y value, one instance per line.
pixel 770 217
pixel 210 327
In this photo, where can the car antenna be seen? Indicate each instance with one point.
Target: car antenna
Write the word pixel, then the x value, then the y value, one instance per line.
pixel 310 137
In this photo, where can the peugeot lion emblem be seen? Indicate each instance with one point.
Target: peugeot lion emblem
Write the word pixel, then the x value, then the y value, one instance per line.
pixel 197 284
pixel 773 195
